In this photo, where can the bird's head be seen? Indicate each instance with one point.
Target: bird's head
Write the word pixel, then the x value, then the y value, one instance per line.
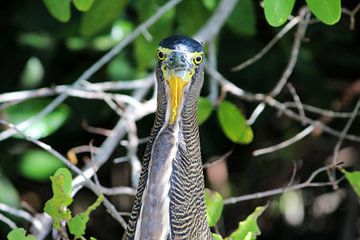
pixel 179 70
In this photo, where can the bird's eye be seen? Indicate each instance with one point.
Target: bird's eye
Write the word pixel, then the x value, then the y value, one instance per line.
pixel 160 55
pixel 198 59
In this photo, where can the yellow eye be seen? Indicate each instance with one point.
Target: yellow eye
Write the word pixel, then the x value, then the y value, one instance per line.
pixel 160 55
pixel 198 59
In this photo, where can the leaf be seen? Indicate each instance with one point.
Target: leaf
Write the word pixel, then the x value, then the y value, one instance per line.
pixel 248 229
pixel 234 124
pixel 100 15
pixel 77 224
pixel 210 4
pixel 33 73
pixel 11 197
pixel 354 180
pixel 278 11
pixel 327 11
pixel 217 236
pixel 214 206
pixel 83 5
pixel 205 109
pixel 59 9
pixel 46 126
pixel 19 234
pixel 56 207
pixel 38 164
pixel 243 20
pixel 144 49
pixel 191 15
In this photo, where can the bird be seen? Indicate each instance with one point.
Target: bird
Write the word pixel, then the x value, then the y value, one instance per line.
pixel 170 198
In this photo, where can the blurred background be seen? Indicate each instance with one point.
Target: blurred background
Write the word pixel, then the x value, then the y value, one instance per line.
pixel 38 51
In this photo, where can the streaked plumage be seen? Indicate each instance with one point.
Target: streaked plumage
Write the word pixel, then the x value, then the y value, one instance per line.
pixel 170 199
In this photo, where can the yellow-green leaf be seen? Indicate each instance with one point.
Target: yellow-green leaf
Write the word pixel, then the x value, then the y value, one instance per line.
pixel 327 11
pixel 77 224
pixel 101 14
pixel 59 9
pixel 217 236
pixel 205 109
pixel 214 206
pixel 354 180
pixel 248 229
pixel 83 5
pixel 11 197
pixel 56 207
pixel 278 11
pixel 46 126
pixel 234 124
pixel 19 234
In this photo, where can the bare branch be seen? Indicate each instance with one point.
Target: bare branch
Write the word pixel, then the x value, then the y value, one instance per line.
pixel 7 221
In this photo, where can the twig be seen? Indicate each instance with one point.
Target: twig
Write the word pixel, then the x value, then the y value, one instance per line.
pixel 286 143
pixel 308 183
pixel 217 159
pixel 7 221
pixel 213 86
pixel 293 22
pixel 297 101
pixel 352 15
pixel 93 69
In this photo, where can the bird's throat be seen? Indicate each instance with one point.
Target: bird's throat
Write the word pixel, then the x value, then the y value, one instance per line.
pixel 176 86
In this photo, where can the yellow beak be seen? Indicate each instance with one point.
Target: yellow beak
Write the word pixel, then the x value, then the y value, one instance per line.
pixel 176 85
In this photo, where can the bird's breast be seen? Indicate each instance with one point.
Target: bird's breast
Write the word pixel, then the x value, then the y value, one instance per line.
pixel 154 219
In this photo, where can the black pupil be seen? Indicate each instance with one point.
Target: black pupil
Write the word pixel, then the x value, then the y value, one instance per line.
pixel 161 55
pixel 198 59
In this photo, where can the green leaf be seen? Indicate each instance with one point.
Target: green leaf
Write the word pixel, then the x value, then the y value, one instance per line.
pixel 38 164
pixel 145 50
pixel 59 9
pixel 83 5
pixel 327 11
pixel 217 236
pixel 11 197
pixel 19 234
pixel 210 4
pixel 243 20
pixel 214 206
pixel 234 124
pixel 33 73
pixel 205 109
pixel 100 15
pixel 354 180
pixel 46 126
pixel 191 15
pixel 248 229
pixel 278 11
pixel 77 224
pixel 56 207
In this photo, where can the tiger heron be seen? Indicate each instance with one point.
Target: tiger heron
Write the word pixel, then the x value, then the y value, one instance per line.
pixel 170 198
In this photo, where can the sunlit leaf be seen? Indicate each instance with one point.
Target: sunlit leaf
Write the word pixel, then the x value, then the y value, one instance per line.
pixel 83 5
pixel 120 29
pixel 56 207
pixel 19 234
pixel 210 4
pixel 59 9
pixel 38 164
pixel 33 73
pixel 36 40
pixel 278 11
pixel 49 124
pixel 214 206
pixel 11 197
pixel 100 15
pixel 242 19
pixel 292 207
pixel 205 109
pixel 248 229
pixel 354 180
pixel 327 11
pixel 234 124
pixel 217 236
pixel 77 225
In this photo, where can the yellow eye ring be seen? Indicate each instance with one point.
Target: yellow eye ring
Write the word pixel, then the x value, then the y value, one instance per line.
pixel 160 55
pixel 198 59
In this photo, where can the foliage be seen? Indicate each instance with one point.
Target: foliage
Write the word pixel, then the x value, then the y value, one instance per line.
pixel 214 206
pixel 205 109
pixel 19 234
pixel 354 180
pixel 233 123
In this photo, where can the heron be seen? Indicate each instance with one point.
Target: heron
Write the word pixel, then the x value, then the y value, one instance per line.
pixel 170 198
